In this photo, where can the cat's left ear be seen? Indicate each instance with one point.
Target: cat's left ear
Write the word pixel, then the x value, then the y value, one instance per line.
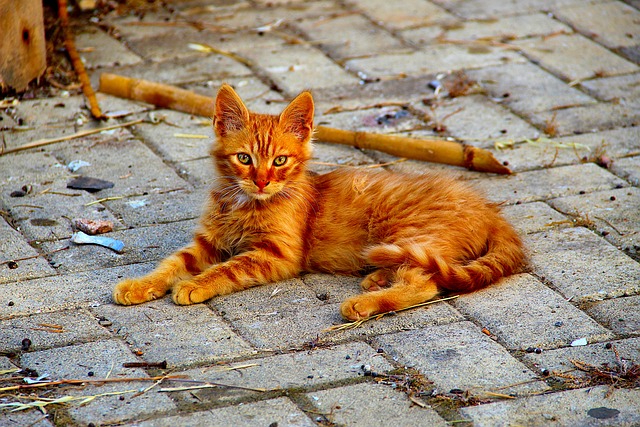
pixel 297 118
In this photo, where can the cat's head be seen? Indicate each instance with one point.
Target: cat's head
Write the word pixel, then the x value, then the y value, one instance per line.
pixel 261 154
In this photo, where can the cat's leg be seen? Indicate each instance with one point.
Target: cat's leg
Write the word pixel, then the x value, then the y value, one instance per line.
pixel 411 286
pixel 377 280
pixel 182 265
pixel 252 268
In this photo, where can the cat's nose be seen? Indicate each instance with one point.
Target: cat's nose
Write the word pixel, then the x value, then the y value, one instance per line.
pixel 261 183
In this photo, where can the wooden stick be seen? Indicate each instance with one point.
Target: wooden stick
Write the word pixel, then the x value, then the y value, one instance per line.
pixel 77 63
pixel 433 150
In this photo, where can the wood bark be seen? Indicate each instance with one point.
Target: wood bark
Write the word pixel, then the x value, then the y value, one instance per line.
pixel 23 55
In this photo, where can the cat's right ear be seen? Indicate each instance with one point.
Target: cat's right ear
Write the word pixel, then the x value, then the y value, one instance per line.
pixel 231 115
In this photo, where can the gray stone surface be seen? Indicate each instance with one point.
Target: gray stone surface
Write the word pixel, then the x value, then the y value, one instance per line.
pixel 522 312
pixel 286 372
pixel 351 406
pixel 614 214
pixel 473 361
pixel 180 337
pixel 548 183
pixel 559 360
pixel 281 412
pixel 13 246
pixel 581 265
pixel 567 408
pixel 52 330
pixel 99 359
pixel 628 169
pixel 492 9
pixel 621 315
pixel 533 217
pixel 623 89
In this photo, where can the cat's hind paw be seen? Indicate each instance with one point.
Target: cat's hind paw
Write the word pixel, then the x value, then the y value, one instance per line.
pixel 377 280
pixel 188 292
pixel 135 291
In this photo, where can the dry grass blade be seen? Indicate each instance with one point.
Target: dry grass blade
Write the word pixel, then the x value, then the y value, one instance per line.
pixel 355 324
pixel 42 402
pixel 210 49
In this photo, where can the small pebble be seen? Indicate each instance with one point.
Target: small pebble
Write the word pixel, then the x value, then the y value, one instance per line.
pixel 310 377
pixel 347 357
pixel 26 343
pixel 612 198
pixel 12 265
pixel 91 373
pixel 11 303
pixel 456 391
pixel 558 324
pixel 545 372
pixel 608 345
pixel 380 350
pixel 537 350
pixel 530 350
pixel 17 193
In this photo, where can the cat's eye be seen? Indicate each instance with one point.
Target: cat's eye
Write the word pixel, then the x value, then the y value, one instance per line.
pixel 280 160
pixel 244 158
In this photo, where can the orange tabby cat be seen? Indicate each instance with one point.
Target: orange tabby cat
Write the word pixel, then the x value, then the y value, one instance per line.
pixel 268 219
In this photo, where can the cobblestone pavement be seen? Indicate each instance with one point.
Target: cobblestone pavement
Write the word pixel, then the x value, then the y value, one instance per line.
pixel 557 97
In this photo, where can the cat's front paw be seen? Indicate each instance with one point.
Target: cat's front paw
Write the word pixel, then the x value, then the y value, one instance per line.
pixel 189 292
pixel 358 307
pixel 135 291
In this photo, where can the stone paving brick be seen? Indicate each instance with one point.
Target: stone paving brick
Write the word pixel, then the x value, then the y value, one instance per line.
pixel 548 183
pixel 159 208
pixel 628 169
pixel 479 121
pixel 522 313
pixel 101 358
pixel 488 366
pixel 582 266
pixel 98 49
pixel 181 71
pixel 45 214
pixel 270 15
pixel 372 404
pixel 293 371
pixel 165 137
pixel 430 60
pixel 586 118
pixel 567 408
pixel 128 163
pixel 349 36
pixel 614 214
pixel 594 354
pixel 425 36
pixel 378 120
pixel 130 27
pixel 75 326
pixel 506 29
pixel 140 245
pixel 256 95
pixel 574 57
pixel 274 412
pixel 533 217
pixel 292 69
pixel 31 419
pixel 621 315
pixel 300 315
pixel 413 13
pixel 70 291
pixel 623 89
pixel 612 24
pixel 492 9
pixel 180 335
pixel 545 152
pixel 511 85
pixel 13 246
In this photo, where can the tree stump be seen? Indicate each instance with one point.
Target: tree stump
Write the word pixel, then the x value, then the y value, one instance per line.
pixel 22 43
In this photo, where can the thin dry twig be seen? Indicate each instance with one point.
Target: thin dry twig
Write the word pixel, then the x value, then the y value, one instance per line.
pixel 357 323
pixel 43 142
pixel 77 63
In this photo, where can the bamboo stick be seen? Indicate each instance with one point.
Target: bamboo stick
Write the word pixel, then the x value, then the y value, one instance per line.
pixel 430 150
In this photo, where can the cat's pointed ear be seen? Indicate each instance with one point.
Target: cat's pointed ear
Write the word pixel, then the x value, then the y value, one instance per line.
pixel 231 114
pixel 297 118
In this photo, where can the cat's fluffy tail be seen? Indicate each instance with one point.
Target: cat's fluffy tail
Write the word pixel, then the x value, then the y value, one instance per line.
pixel 501 256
